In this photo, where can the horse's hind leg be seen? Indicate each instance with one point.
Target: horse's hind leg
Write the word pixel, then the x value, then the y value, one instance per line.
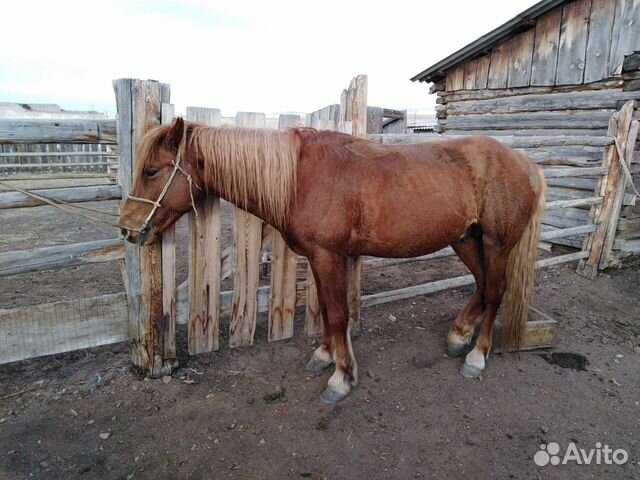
pixel 496 256
pixel 330 271
pixel 461 332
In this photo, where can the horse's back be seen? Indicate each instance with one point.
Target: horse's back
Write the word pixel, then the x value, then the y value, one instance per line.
pixel 402 200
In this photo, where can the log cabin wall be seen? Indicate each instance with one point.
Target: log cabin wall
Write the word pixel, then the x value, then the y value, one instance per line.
pixel 559 75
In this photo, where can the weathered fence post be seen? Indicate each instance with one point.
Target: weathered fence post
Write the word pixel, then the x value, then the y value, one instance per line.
pixel 139 109
pixel 167 113
pixel 247 239
pixel 611 188
pixel 358 103
pixel 204 260
pixel 284 262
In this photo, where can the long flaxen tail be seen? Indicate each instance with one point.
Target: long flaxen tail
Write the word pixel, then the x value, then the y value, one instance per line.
pixel 520 287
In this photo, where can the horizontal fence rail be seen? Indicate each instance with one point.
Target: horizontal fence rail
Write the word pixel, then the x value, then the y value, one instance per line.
pixel 16 131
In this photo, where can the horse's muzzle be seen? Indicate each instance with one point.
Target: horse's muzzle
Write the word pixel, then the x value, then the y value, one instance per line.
pixel 136 237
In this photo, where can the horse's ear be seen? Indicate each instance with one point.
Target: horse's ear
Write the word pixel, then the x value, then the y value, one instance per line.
pixel 174 135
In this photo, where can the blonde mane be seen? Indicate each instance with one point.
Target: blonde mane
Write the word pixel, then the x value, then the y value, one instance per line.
pixel 250 166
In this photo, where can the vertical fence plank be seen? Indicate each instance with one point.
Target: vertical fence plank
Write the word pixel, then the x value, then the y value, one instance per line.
pixel 282 302
pixel 247 238
pixel 204 260
pixel 139 104
pixel 358 97
pixel 168 270
pixel 313 324
pixel 607 213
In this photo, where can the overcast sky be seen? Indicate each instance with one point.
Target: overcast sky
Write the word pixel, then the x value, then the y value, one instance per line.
pixel 237 55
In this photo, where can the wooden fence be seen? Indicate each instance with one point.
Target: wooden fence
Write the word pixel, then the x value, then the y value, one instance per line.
pixel 154 304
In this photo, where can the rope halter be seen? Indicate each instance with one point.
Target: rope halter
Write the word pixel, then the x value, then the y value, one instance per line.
pixel 156 204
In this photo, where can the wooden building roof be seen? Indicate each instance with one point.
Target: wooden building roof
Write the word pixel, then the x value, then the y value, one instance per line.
pixel 591 26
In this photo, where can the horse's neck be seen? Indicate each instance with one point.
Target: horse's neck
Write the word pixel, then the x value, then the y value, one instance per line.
pixel 221 186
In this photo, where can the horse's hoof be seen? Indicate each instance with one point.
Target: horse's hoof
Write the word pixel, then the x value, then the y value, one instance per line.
pixel 457 350
pixel 316 366
pixel 469 371
pixel 332 397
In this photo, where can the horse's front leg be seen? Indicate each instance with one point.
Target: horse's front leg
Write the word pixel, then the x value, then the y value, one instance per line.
pixel 330 272
pixel 322 357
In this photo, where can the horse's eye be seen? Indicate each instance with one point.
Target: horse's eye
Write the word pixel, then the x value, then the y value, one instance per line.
pixel 150 172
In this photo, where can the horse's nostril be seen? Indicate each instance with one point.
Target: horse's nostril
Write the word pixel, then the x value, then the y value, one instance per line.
pixel 124 232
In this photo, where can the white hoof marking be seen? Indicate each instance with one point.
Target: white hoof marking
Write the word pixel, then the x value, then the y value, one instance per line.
pixel 475 358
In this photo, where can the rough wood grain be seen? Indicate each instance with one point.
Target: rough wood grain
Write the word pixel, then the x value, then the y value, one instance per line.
pixel 627 141
pixel 204 260
pixel 94 193
pixel 577 100
pixel 62 256
pixel 482 72
pixel 139 104
pixel 282 301
pixel 313 323
pixel 608 84
pixel 358 95
pixel 22 131
pixel 62 326
pixel 624 38
pixel 545 50
pixel 573 42
pixel 455 78
pixel 470 69
pixel 599 41
pixel 247 238
pixel 521 56
pixel 599 214
pixel 541 331
pixel 499 67
pixel 167 112
pixel 551 120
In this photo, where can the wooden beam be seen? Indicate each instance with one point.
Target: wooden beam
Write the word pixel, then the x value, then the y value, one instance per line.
pixel 59 327
pixel 358 97
pixel 601 215
pixel 62 256
pixel 439 285
pixel 168 255
pixel 139 109
pixel 627 141
pixel 92 193
pixel 546 120
pixel 247 238
pixel 204 260
pixel 541 331
pixel 27 130
pixel 599 41
pixel 573 42
pixel 545 49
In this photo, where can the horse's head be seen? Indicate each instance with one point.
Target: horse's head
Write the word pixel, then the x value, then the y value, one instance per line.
pixel 165 185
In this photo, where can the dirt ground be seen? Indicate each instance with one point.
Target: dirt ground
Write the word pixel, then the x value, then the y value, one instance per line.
pixel 255 413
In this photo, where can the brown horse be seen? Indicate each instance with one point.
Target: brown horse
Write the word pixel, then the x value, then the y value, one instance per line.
pixel 333 196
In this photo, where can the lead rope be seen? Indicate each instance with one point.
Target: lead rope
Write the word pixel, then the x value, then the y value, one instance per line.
pixel 66 206
pixel 72 208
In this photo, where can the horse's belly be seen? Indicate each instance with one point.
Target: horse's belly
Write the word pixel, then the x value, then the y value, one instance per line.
pixel 413 233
